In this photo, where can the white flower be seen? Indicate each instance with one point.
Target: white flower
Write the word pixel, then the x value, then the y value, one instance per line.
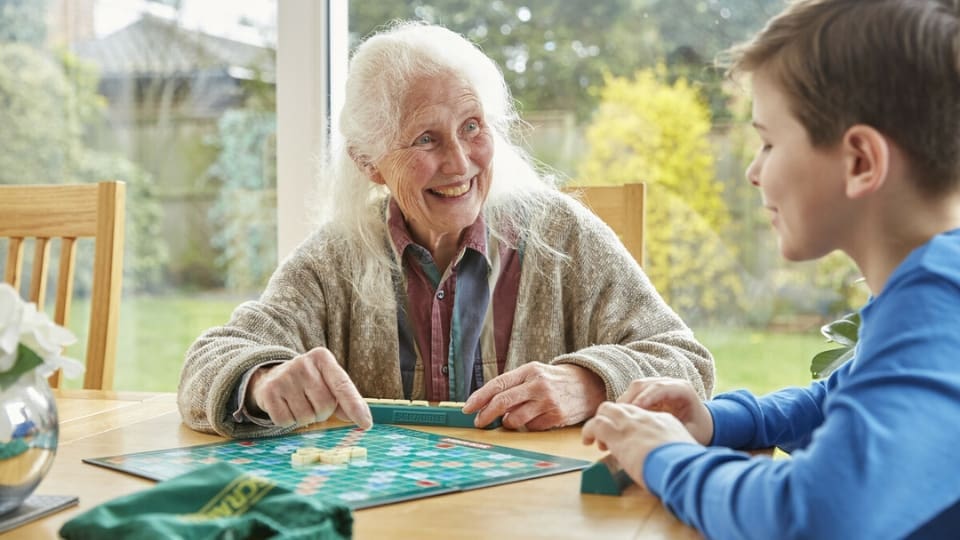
pixel 21 323
pixel 10 308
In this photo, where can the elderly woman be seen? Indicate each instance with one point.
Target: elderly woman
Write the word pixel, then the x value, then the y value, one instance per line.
pixel 445 269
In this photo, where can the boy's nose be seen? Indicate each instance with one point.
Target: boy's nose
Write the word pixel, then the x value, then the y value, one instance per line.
pixel 752 173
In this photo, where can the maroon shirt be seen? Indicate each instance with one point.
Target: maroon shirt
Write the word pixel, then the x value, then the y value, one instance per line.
pixel 431 301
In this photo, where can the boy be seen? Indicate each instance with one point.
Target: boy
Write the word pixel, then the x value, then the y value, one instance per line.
pixel 857 103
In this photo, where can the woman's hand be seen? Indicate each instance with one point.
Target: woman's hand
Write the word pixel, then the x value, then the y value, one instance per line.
pixel 538 396
pixel 674 396
pixel 631 433
pixel 307 389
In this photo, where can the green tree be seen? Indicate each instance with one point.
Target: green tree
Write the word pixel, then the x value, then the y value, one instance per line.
pixel 23 21
pixel 246 177
pixel 551 52
pixel 144 254
pixel 648 130
pixel 50 103
pixel 40 122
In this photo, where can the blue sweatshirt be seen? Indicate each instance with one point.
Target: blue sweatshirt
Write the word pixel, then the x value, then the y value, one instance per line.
pixel 875 448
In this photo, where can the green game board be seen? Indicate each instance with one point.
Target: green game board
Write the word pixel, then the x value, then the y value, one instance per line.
pixel 402 464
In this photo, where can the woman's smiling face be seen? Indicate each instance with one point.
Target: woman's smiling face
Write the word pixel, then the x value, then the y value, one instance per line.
pixel 439 170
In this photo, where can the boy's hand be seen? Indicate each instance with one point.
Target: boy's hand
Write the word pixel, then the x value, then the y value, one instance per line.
pixel 631 433
pixel 676 397
pixel 308 389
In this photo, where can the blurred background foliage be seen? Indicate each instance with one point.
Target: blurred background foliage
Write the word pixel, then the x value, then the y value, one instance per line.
pixel 613 91
pixel 51 104
pixel 650 130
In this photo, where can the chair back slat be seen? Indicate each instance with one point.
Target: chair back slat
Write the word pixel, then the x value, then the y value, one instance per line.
pixel 39 270
pixel 61 310
pixel 107 273
pixel 14 262
pixel 68 261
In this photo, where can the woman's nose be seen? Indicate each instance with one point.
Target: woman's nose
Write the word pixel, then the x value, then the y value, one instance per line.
pixel 456 161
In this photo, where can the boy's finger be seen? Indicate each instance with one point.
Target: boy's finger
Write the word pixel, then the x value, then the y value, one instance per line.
pixel 639 386
pixel 586 434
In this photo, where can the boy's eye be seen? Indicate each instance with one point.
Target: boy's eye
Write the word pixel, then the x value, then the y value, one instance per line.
pixel 766 147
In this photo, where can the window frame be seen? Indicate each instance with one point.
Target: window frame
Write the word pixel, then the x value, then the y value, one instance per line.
pixel 312 55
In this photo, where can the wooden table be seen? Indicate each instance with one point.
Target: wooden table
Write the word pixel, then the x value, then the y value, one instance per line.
pixel 97 423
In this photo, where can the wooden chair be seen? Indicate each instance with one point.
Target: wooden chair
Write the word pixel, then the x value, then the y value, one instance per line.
pixel 621 207
pixel 69 212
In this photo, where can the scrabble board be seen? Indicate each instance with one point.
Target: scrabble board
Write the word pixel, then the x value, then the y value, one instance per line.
pixel 402 464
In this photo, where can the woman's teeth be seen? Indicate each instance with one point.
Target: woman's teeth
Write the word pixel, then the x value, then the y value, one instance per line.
pixel 452 191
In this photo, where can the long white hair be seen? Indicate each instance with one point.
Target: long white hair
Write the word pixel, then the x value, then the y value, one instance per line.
pixel 381 72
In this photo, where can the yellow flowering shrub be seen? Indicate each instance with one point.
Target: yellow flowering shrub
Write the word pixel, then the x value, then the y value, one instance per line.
pixel 648 130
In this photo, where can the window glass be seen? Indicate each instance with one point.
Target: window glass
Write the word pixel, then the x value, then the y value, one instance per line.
pixel 619 91
pixel 177 99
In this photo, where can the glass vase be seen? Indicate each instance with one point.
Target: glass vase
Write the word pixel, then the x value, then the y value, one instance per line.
pixel 28 437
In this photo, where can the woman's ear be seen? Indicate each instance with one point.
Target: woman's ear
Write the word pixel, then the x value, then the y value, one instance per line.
pixel 366 166
pixel 866 160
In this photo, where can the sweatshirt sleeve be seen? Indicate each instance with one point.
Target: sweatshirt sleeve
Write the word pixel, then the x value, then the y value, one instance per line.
pixel 881 464
pixel 785 418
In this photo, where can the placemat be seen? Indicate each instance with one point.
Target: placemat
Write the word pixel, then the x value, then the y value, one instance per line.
pixel 35 507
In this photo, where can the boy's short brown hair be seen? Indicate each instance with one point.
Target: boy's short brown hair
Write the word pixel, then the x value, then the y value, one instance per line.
pixel 890 64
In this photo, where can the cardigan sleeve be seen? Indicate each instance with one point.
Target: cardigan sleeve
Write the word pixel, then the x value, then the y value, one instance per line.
pixel 614 321
pixel 288 320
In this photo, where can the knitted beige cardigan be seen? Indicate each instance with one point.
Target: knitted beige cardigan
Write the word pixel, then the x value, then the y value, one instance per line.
pixel 594 308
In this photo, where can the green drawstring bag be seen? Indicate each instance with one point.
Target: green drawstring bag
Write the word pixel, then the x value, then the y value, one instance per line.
pixel 216 501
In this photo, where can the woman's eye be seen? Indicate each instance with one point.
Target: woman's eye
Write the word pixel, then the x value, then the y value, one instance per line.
pixel 423 140
pixel 472 125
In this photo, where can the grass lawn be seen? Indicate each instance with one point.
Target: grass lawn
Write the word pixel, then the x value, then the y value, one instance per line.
pixel 761 361
pixel 155 332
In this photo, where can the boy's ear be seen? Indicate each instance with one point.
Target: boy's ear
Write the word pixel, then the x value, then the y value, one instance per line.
pixel 365 164
pixel 866 154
